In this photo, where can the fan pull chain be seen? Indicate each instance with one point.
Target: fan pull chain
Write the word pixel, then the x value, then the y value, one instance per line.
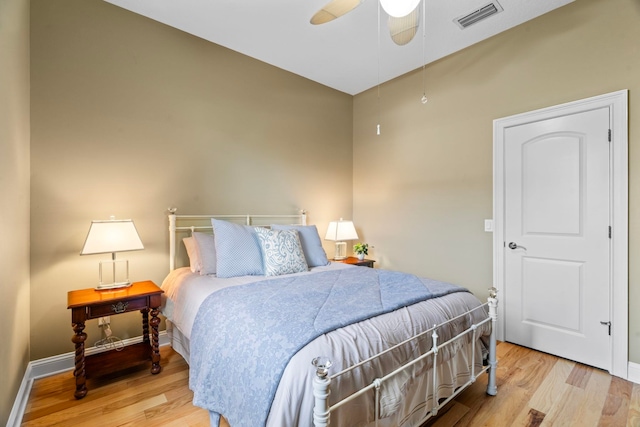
pixel 424 59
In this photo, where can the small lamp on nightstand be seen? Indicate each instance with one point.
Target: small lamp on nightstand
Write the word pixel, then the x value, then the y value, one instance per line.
pixel 112 236
pixel 339 231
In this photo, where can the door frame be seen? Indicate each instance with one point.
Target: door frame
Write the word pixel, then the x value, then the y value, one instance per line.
pixel 619 195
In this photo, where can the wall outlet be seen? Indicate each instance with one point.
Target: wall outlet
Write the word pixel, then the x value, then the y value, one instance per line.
pixel 104 320
pixel 488 225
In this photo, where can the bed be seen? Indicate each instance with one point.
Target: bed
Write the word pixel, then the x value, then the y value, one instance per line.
pixel 316 344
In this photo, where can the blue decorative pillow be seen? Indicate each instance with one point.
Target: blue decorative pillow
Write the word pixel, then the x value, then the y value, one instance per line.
pixel 311 244
pixel 281 252
pixel 238 250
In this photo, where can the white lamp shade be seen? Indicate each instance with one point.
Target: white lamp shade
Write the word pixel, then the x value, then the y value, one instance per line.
pixel 341 230
pixel 399 8
pixel 111 236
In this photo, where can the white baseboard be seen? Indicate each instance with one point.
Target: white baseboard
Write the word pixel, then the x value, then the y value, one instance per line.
pixel 54 365
pixel 633 373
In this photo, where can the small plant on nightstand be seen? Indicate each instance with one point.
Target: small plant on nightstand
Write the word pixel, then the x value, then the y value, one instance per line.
pixel 361 249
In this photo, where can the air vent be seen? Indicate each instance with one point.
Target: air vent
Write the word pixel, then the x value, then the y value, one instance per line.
pixel 478 15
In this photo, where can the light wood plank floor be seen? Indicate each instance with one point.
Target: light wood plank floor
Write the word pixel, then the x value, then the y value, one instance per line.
pixel 534 389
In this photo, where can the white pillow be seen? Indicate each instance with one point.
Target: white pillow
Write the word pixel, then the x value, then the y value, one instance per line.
pixel 207 252
pixel 281 252
pixel 192 250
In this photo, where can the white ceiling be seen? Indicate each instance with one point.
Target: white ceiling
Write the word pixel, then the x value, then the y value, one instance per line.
pixel 342 54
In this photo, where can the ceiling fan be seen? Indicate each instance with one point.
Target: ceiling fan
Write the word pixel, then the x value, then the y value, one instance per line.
pixel 403 16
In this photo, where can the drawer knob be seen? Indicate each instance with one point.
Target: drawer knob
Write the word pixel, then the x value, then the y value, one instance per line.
pixel 120 307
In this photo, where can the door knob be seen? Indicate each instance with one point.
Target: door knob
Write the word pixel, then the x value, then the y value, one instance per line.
pixel 513 245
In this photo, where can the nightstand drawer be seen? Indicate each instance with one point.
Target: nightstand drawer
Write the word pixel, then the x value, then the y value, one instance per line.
pixel 116 307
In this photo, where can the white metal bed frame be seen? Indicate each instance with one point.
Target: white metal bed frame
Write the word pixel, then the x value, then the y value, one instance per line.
pixel 257 220
pixel 322 380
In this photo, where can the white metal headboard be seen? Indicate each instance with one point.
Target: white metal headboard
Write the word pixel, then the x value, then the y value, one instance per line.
pixel 190 223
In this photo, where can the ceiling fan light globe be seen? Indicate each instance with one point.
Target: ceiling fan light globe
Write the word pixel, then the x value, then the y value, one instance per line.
pixel 399 8
pixel 402 30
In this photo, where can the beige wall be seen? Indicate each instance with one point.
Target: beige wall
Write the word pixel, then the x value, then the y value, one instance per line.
pixel 432 165
pixel 130 117
pixel 14 200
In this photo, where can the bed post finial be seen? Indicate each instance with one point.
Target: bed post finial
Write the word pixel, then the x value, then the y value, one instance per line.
pixel 492 389
pixel 321 383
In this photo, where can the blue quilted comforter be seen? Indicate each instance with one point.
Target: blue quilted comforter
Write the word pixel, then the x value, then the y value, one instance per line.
pixel 244 336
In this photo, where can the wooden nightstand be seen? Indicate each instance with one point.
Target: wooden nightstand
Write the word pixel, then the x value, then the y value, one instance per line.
pixel 355 261
pixel 88 304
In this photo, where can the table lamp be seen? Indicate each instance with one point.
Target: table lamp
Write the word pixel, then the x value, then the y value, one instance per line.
pixel 339 231
pixel 111 236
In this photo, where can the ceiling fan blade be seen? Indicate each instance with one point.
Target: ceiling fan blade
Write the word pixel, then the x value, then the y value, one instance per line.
pixel 334 9
pixel 403 29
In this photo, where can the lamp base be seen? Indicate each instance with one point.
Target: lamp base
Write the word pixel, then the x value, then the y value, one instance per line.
pixel 113 274
pixel 105 286
pixel 341 251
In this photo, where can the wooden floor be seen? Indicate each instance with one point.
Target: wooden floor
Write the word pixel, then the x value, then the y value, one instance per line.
pixel 534 389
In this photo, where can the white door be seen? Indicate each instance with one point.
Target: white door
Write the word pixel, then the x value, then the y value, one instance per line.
pixel 557 236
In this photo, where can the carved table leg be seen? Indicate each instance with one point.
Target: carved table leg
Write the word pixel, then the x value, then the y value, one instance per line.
pixel 78 339
pixel 155 351
pixel 145 325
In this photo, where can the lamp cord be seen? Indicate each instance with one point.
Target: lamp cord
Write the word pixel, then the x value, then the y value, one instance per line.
pixel 109 341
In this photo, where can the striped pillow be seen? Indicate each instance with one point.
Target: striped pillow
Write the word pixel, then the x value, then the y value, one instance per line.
pixel 206 247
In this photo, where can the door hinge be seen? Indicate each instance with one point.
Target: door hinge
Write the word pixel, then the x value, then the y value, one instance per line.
pixel 609 135
pixel 609 231
pixel 608 324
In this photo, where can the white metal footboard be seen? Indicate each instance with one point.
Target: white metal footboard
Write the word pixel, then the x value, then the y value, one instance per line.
pixel 322 381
